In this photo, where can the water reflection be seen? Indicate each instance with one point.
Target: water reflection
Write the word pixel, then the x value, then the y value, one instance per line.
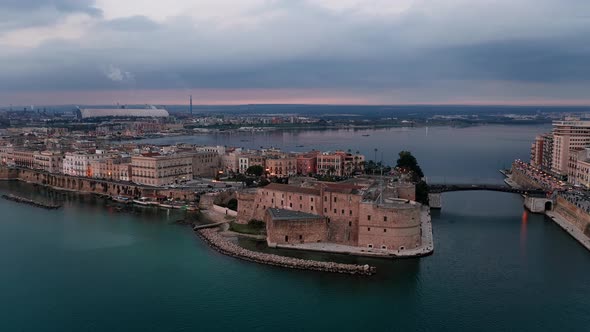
pixel 523 232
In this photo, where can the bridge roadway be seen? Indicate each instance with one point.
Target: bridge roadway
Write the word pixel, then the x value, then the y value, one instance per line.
pixel 442 188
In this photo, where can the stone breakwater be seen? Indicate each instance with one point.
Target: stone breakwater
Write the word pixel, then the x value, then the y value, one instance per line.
pixel 220 244
pixel 23 200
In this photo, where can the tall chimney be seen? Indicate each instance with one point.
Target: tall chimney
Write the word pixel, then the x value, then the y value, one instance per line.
pixel 191 108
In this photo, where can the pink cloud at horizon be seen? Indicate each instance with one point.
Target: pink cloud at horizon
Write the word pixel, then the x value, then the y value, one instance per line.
pixel 261 96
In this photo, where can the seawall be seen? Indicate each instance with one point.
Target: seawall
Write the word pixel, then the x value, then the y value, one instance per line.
pixel 222 245
pixel 89 185
pixel 568 216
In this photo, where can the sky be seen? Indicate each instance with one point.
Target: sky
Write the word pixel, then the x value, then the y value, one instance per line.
pixel 509 52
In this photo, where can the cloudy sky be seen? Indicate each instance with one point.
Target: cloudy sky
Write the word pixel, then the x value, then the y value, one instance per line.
pixel 295 51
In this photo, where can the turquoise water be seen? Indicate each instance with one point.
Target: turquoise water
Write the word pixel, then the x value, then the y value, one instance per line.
pixel 87 267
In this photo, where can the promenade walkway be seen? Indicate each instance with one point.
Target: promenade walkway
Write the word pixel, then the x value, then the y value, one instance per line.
pixel 568 227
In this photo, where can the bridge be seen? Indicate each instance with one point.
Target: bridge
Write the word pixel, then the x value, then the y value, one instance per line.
pixel 534 197
pixel 443 188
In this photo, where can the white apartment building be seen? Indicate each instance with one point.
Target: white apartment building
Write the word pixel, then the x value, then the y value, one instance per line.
pixel 76 163
pixel 568 135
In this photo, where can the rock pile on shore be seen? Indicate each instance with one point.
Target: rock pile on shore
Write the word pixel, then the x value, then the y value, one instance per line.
pixel 222 245
pixel 23 200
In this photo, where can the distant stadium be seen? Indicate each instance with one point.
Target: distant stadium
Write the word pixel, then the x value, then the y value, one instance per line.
pixel 88 113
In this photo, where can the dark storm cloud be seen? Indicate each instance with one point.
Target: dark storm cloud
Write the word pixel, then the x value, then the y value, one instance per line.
pixel 309 47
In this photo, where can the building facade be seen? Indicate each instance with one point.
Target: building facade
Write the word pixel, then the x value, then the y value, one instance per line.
pixel 153 169
pixel 571 134
pixel 49 161
pixel 353 215
pixel 205 164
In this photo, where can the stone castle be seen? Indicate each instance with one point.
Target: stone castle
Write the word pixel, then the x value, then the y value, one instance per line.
pixel 364 213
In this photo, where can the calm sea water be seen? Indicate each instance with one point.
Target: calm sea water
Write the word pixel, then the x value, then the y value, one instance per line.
pixel 88 267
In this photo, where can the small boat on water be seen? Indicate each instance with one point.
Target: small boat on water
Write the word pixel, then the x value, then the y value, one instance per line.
pixel 366 135
pixel 145 201
pixel 122 199
pixel 165 205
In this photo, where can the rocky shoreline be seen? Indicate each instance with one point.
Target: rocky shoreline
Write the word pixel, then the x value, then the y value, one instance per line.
pixel 23 200
pixel 220 244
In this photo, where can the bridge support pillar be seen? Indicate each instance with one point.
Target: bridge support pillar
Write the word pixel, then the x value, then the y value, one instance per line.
pixel 435 200
pixel 538 204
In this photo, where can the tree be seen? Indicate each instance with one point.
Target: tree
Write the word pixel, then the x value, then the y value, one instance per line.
pixel 408 162
pixel 256 170
pixel 422 192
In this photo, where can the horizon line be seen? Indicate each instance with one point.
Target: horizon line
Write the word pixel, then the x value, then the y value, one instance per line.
pixel 314 104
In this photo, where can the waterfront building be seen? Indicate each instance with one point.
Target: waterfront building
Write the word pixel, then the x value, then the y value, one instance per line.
pixel 6 155
pixel 23 158
pixel 364 214
pixel 49 161
pixel 579 167
pixel 537 151
pixel 115 168
pixel 154 169
pixel 547 152
pixel 76 163
pixel 570 134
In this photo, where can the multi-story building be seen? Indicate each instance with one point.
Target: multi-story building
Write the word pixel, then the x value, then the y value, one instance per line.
pixel 547 153
pixel 23 158
pixel 230 161
pixel 281 166
pixel 570 134
pixel 154 169
pixel 579 167
pixel 6 155
pixel 49 161
pixel 352 163
pixel 115 168
pixel 205 164
pixel 250 159
pixel 330 163
pixel 76 163
pixel 307 163
pixel 537 151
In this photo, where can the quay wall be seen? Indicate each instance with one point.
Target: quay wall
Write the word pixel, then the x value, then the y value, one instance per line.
pixel 523 180
pixel 574 215
pixel 570 212
pixel 89 185
pixel 220 244
pixel 8 173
